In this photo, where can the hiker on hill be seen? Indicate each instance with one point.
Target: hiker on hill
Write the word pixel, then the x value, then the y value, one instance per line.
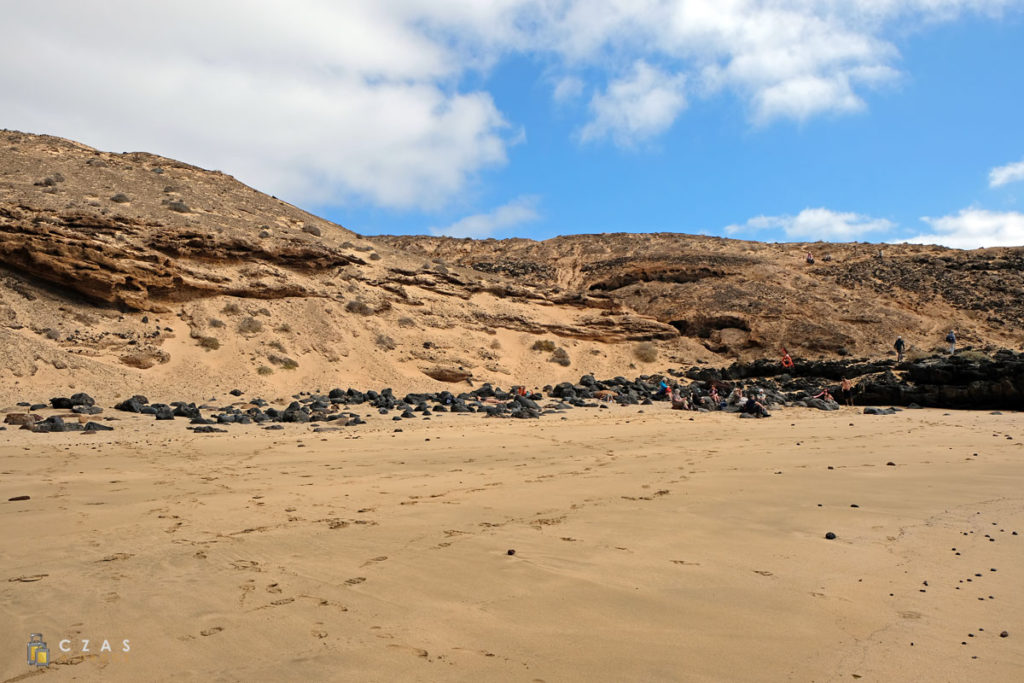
pixel 810 259
pixel 951 339
pixel 900 345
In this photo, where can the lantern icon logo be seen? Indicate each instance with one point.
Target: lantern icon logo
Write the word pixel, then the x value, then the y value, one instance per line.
pixel 38 652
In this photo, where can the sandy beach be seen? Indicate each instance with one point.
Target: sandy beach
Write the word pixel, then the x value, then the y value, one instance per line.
pixel 648 546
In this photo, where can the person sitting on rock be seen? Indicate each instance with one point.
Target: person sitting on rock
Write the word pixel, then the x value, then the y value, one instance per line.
pixel 715 399
pixel 824 395
pixel 679 401
pixel 663 390
pixel 735 398
pixel 810 259
pixel 755 407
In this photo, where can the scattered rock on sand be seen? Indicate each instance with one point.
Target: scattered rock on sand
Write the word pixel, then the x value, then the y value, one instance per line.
pixel 17 498
pixel 830 536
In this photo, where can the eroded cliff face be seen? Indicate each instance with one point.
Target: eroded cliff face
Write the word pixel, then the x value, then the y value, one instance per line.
pixel 132 269
pixel 747 299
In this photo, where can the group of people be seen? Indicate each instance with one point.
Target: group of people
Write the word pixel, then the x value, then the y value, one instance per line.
pixel 694 399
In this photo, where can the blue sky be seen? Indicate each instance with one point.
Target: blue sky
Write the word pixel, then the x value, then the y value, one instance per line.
pixel 789 120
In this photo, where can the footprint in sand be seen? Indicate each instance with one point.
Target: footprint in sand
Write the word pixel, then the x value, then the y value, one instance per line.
pixel 117 556
pixel 355 581
pixel 418 651
pixel 283 601
pixel 211 631
pixel 273 588
pixel 27 579
pixel 246 565
pixel 374 560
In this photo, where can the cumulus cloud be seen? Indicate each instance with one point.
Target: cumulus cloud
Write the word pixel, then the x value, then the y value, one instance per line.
pixel 973 229
pixel 517 212
pixel 1001 175
pixel 316 102
pixel 817 224
pixel 326 102
pixel 636 107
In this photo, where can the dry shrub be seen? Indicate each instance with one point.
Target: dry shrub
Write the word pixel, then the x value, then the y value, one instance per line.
pixel 543 345
pixel 385 342
pixel 143 360
pixel 495 344
pixel 264 370
pixel 285 362
pixel 406 322
pixel 277 345
pixel 231 309
pixel 358 307
pixel 250 326
pixel 214 322
pixel 915 355
pixel 560 356
pixel 209 343
pixel 285 328
pixel 646 352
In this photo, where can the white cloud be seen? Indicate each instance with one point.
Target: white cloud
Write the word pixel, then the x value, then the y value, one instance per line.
pixel 325 102
pixel 568 88
pixel 973 229
pixel 517 212
pixel 316 102
pixel 637 107
pixel 1002 175
pixel 817 224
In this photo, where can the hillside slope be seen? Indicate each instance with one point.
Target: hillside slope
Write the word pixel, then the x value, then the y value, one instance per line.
pixel 125 273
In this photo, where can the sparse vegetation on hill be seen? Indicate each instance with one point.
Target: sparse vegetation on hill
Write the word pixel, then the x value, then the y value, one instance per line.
pixel 79 269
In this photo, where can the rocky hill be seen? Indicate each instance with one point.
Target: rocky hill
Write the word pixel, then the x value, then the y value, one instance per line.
pixel 124 272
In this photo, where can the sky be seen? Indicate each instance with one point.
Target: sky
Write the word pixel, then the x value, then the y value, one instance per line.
pixel 772 120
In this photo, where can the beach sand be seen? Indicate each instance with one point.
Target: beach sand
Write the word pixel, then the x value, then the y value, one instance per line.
pixel 648 547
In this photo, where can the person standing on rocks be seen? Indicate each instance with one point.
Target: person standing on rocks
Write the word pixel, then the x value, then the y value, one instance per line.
pixel 847 389
pixel 900 345
pixel 951 338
